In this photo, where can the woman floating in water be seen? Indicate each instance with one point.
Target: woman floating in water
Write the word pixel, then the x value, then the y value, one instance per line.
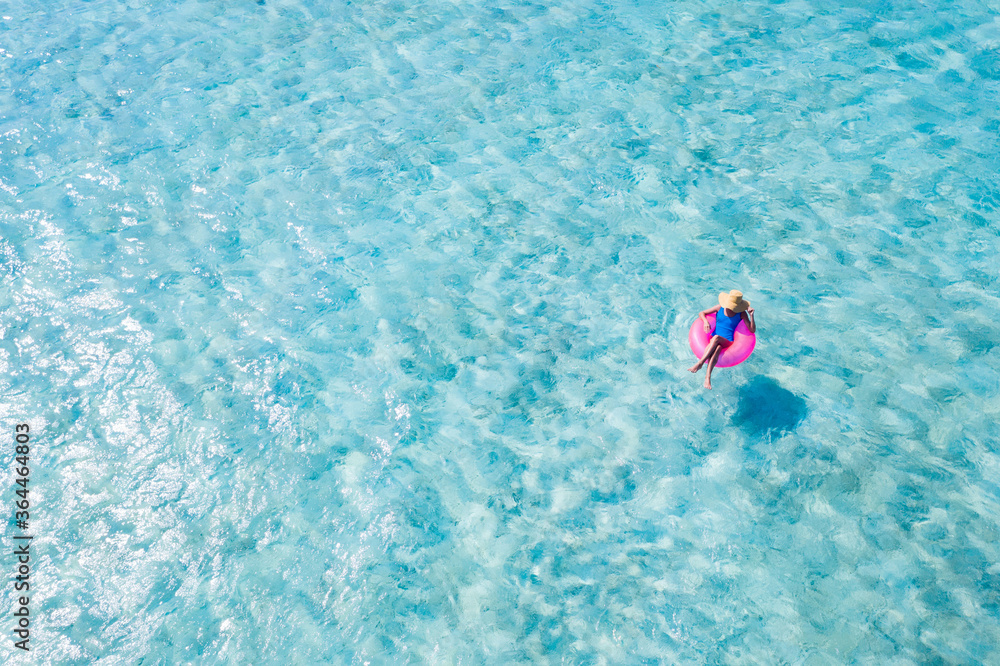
pixel 732 309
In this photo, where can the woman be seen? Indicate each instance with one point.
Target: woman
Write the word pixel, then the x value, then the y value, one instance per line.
pixel 732 309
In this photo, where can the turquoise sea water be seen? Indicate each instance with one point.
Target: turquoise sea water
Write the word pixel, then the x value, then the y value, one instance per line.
pixel 355 332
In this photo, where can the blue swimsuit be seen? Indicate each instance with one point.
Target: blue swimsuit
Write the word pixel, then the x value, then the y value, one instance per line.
pixel 726 325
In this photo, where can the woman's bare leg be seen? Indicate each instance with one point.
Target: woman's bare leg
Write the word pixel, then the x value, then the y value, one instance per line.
pixel 711 364
pixel 713 344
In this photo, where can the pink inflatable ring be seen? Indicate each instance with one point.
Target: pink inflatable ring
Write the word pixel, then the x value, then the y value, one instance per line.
pixel 734 354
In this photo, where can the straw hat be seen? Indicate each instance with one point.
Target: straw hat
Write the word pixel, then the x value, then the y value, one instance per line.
pixel 733 301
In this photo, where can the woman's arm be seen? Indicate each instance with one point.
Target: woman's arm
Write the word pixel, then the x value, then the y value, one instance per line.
pixel 748 318
pixel 704 319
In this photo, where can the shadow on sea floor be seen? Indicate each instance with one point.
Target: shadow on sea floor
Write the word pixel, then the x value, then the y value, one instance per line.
pixel 766 406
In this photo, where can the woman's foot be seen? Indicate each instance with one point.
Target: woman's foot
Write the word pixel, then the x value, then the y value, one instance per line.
pixel 708 382
pixel 696 367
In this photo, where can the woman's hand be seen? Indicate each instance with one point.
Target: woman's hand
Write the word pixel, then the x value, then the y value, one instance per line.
pixel 750 311
pixel 708 327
